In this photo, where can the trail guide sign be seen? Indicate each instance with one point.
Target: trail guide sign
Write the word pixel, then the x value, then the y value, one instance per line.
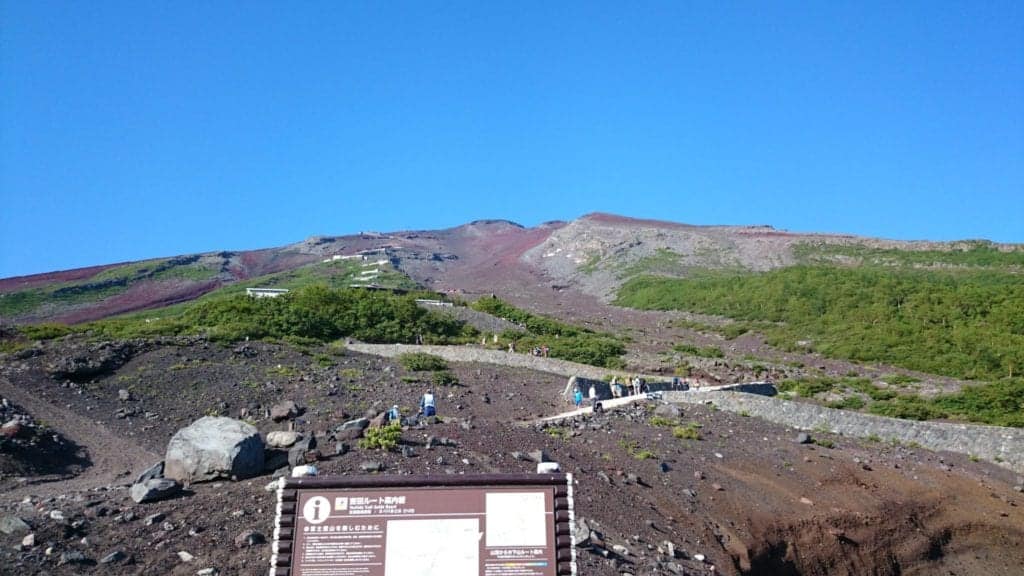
pixel 479 525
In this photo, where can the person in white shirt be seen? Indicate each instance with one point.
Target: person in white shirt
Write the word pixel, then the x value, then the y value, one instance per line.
pixel 427 406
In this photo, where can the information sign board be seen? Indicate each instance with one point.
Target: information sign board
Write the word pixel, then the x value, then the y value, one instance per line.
pixel 480 525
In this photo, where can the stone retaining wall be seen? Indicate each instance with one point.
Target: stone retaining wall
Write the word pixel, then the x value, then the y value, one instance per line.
pixel 1004 446
pixel 475 354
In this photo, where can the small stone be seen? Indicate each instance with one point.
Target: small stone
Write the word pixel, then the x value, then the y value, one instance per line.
pixel 1019 488
pixel 807 501
pixel 155 489
pixel 408 452
pixel 154 519
pixel 13 525
pixel 151 473
pixel 167 527
pixel 57 515
pixel 285 410
pixel 665 467
pixel 539 456
pixel 340 448
pixel 71 557
pixel 249 538
pixel 371 466
pixel 28 541
pixel 282 438
pixel 185 556
pixel 114 557
pixel 124 395
pixel 208 572
pixel 271 486
pixel 698 475
pixel 717 486
pixel 719 455
pixel 803 438
pixel 699 557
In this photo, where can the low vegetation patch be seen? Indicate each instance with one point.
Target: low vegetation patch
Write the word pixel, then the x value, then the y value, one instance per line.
pixel 961 323
pixel 690 431
pixel 563 340
pixel 383 438
pixel 422 362
pixel 705 352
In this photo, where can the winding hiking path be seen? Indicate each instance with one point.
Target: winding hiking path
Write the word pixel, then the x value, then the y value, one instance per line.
pixel 113 458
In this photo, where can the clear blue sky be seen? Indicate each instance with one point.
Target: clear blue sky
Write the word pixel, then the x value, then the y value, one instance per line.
pixel 143 129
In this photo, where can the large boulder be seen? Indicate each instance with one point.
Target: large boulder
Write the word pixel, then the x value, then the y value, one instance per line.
pixel 214 447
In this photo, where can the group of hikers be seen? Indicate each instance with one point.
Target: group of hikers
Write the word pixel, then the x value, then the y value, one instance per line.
pixel 428 408
pixel 637 386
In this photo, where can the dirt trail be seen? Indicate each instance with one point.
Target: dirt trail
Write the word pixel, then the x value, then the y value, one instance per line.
pixel 113 459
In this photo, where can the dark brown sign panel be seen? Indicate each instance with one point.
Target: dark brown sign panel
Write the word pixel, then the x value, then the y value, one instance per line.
pixel 487 525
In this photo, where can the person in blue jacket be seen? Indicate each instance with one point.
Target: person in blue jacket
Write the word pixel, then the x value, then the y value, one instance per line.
pixel 577 397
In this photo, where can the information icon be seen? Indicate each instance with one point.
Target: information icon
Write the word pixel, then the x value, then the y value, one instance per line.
pixel 316 509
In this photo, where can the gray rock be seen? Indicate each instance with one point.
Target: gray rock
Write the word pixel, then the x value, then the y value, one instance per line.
pixel 72 557
pixel 115 557
pixel 285 410
pixel 153 519
pixel 340 448
pixel 249 538
pixel 12 525
pixel 282 438
pixel 803 438
pixel 360 423
pixel 371 466
pixel 539 456
pixel 303 451
pixel 408 451
pixel 155 489
pixel 214 447
pixel 124 395
pixel 154 471
pixel 668 411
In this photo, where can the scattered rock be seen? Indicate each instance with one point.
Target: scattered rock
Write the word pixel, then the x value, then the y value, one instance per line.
pixel 115 557
pixel 155 489
pixel 285 410
pixel 249 538
pixel 803 438
pixel 185 556
pixel 12 525
pixel 371 466
pixel 668 411
pixel 72 557
pixel 153 519
pixel 124 395
pixel 28 541
pixel 214 447
pixel 539 456
pixel 281 438
pixel 154 471
pixel 806 500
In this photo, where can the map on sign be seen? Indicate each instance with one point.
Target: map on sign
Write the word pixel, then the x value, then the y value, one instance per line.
pixel 429 547
pixel 516 519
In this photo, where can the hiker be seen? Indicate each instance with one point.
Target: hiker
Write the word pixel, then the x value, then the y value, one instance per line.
pixel 577 396
pixel 427 406
pixel 616 391
pixel 394 415
pixel 592 393
pixel 544 351
pixel 511 347
pixel 636 385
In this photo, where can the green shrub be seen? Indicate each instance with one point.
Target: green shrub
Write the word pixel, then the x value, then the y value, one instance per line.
pixel 848 403
pixel 384 438
pixel 689 432
pixel 422 362
pixel 960 323
pixel 444 378
pixel 661 421
pixel 706 352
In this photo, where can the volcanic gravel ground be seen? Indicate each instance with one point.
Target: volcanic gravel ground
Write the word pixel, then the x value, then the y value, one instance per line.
pixel 746 497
